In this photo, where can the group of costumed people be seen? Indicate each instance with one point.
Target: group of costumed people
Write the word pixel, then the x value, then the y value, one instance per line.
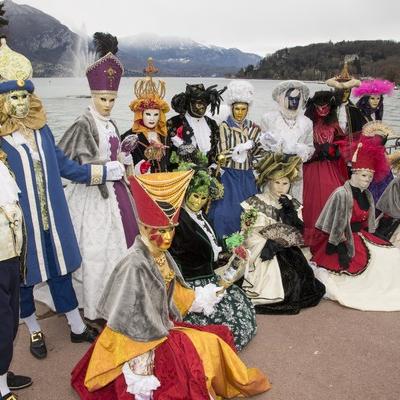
pixel 171 237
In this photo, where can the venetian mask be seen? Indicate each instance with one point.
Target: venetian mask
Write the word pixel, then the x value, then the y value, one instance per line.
pixel 374 101
pixel 157 239
pixel 323 110
pixel 197 200
pixel 346 95
pixel 292 99
pixel 361 178
pixel 17 103
pixel 197 108
pixel 239 111
pixel 151 116
pixel 279 187
pixel 104 103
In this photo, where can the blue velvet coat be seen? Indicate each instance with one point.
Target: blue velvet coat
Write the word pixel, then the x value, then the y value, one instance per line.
pixel 55 165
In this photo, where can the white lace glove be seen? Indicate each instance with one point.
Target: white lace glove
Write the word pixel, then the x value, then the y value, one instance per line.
pixel 114 171
pixel 206 298
pixel 142 386
pixel 128 160
pixel 269 142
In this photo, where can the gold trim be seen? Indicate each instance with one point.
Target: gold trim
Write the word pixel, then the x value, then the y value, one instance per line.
pixel 96 174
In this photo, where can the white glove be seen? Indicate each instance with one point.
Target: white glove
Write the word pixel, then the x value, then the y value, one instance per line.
pixel 206 298
pixel 128 160
pixel 176 141
pixel 114 171
pixel 142 386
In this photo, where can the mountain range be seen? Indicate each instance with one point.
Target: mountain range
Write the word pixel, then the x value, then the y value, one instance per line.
pixel 55 50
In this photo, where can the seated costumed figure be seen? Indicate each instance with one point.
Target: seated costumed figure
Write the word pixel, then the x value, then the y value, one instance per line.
pixel 103 216
pixel 389 205
pixel 358 269
pixel 149 130
pixel 325 171
pixel 287 130
pixel 195 249
pixel 144 352
pixel 278 278
pixel 191 130
pixel 238 146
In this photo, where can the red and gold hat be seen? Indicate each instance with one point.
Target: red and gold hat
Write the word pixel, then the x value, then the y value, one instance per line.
pixel 158 197
pixel 369 156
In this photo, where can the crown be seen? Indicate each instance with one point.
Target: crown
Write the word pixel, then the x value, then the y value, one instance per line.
pixel 146 87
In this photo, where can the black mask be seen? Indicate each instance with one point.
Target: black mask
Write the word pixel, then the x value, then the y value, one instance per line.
pixel 197 108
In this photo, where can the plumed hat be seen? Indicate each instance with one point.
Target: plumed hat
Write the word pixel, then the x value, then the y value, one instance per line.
pixel 276 166
pixel 239 91
pixel 159 196
pixel 374 87
pixel 284 86
pixel 369 156
pixel 344 80
pixel 320 98
pixel 105 74
pixel 211 96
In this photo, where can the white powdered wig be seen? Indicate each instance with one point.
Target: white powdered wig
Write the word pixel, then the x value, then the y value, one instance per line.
pixel 239 91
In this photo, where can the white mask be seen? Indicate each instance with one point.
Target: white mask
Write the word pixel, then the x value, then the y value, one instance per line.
pixel 151 116
pixel 361 178
pixel 17 103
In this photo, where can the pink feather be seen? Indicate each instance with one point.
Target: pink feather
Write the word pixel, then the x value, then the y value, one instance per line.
pixel 374 87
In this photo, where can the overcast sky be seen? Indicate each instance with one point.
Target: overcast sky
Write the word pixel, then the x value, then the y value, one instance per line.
pixel 259 26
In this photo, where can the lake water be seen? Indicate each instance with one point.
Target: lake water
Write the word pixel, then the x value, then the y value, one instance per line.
pixel 62 98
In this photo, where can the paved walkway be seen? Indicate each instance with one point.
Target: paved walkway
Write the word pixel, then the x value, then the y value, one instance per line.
pixel 325 353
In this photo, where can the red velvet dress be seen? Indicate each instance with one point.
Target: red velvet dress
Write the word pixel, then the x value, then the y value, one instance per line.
pixel 177 366
pixel 360 260
pixel 321 176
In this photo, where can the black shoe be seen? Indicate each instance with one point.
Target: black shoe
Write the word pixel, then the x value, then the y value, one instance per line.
pixel 17 382
pixel 38 346
pixel 88 335
pixel 10 396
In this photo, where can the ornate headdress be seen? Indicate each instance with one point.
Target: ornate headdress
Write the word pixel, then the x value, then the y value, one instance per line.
pixel 239 91
pixel 149 95
pixel 15 74
pixel 159 196
pixel 276 166
pixel 344 80
pixel 211 96
pixel 105 74
pixel 321 98
pixel 368 156
pixel 284 86
pixel 374 87
pixel 373 128
pixel 394 160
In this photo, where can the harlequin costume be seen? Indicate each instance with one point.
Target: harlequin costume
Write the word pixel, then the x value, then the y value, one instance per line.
pixel 103 215
pixel 189 131
pixel 358 269
pixel 152 148
pixel 326 170
pixel 143 304
pixel 238 145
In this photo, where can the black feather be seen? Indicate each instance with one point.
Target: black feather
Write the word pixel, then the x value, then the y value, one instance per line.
pixel 105 43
